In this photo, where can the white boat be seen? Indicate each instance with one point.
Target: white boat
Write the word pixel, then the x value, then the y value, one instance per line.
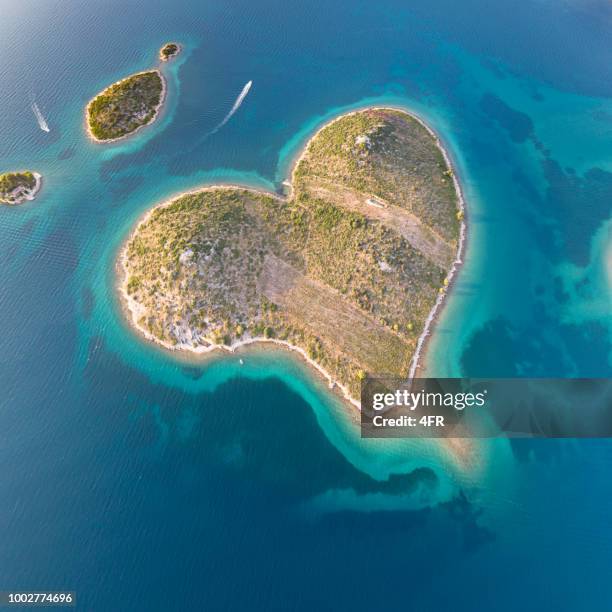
pixel 42 124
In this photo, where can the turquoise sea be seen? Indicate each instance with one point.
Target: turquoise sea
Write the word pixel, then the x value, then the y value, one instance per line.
pixel 146 482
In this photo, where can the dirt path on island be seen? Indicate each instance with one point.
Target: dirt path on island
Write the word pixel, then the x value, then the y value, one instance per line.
pixel 329 316
pixel 412 229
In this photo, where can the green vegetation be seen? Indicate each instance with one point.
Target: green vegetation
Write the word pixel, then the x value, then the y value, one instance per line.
pixel 348 269
pixel 15 187
pixel 168 51
pixel 125 106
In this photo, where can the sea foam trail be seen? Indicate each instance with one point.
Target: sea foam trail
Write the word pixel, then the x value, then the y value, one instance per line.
pixel 39 117
pixel 235 107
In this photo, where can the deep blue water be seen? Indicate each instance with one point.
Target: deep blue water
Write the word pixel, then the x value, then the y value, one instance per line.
pixel 147 483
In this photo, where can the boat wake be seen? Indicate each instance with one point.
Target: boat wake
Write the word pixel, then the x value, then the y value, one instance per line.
pixel 42 124
pixel 235 107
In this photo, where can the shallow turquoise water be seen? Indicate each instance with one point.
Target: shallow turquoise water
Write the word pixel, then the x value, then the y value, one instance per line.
pixel 144 482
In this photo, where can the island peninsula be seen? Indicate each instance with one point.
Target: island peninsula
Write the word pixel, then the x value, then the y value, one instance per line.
pixel 126 106
pixel 17 187
pixel 349 270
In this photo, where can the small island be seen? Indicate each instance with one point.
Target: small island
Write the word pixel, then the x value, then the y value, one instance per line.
pixel 348 270
pixel 17 187
pixel 126 106
pixel 169 51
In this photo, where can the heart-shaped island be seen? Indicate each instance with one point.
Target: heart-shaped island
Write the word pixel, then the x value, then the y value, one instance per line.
pixel 349 269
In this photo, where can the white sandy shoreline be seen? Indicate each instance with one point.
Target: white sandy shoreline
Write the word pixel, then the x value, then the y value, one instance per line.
pixel 133 309
pixel 156 111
